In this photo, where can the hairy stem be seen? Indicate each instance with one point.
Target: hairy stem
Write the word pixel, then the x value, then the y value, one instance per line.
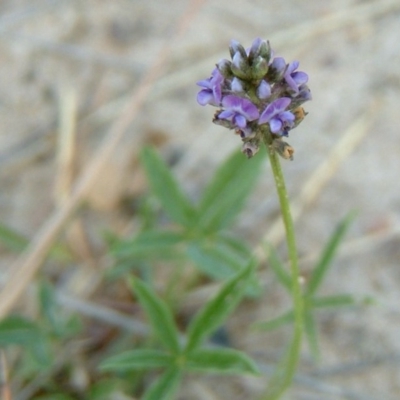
pixel 287 368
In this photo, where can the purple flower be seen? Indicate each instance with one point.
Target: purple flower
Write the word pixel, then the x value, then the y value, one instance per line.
pixel 280 121
pixel 295 78
pixel 238 111
pixel 212 92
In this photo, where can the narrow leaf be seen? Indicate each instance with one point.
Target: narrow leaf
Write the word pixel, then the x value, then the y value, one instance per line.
pixel 327 254
pixel 11 239
pixel 213 261
pixel 104 389
pixel 16 242
pixel 219 261
pixel 165 386
pixel 226 194
pixel 340 300
pixel 217 310
pixel 50 309
pixel 279 269
pixel 146 246
pixel 221 360
pixel 159 314
pixel 54 396
pixel 236 245
pixel 275 322
pixel 137 360
pixel 166 188
pixel 311 334
pixel 18 330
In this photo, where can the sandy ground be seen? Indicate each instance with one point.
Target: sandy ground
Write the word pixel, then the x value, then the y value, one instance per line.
pixel 97 52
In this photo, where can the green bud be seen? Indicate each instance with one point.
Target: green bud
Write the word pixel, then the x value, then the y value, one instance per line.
pixel 259 68
pixel 224 66
pixel 265 51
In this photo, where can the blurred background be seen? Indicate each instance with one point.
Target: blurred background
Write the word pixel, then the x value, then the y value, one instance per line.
pixel 84 85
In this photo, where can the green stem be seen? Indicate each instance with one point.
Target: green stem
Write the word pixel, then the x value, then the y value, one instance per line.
pixel 287 368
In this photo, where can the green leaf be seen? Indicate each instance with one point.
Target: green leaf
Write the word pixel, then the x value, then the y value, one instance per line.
pixel 104 389
pixel 42 352
pixel 165 187
pixel 137 360
pixel 18 330
pixel 54 396
pixel 160 316
pixel 57 322
pixel 11 239
pixel 221 360
pixel 311 334
pixel 50 309
pixel 279 269
pixel 165 386
pixel 340 300
pixel 146 246
pixel 226 194
pixel 327 254
pixel 219 261
pixel 217 310
pixel 16 242
pixel 214 261
pixel 275 322
pixel 236 245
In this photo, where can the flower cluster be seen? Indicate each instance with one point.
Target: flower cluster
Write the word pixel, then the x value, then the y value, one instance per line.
pixel 257 93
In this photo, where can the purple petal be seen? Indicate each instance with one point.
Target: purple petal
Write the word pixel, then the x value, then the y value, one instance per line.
pixel 205 83
pixel 273 109
pixel 240 121
pixel 287 116
pixel 255 46
pixel 278 64
pixel 275 125
pixel 217 93
pixel 292 67
pixel 263 90
pixel 237 85
pixel 300 78
pixel 231 101
pixel 226 114
pixel 204 97
pixel 292 84
pixel 238 60
pixel 250 111
pixel 241 106
pixel 217 77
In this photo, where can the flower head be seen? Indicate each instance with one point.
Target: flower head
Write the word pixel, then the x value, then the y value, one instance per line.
pixel 260 95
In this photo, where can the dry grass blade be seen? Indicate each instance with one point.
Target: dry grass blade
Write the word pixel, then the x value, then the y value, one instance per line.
pixel 29 263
